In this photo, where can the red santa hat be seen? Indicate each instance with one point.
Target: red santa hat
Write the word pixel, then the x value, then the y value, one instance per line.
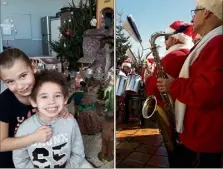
pixel 150 60
pixel 133 71
pixel 185 37
pixel 127 63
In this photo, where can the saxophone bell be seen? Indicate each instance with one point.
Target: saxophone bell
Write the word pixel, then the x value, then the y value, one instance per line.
pixel 164 117
pixel 149 107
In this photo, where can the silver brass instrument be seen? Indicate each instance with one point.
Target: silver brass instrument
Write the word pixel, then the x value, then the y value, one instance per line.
pixel 121 79
pixel 164 117
pixel 133 83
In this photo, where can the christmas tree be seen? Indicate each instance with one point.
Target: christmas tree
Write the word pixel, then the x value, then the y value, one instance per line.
pixel 74 24
pixel 122 42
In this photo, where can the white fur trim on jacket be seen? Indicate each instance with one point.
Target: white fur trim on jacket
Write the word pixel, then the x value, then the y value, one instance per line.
pixel 185 39
pixel 179 106
pixel 177 47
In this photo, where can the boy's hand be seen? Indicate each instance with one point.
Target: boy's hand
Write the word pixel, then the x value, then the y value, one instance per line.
pixel 42 134
pixel 65 114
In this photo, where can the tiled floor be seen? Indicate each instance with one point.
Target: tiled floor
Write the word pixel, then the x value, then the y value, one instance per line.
pixel 138 147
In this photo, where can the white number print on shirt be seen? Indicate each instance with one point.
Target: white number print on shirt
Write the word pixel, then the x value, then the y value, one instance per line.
pixel 52 154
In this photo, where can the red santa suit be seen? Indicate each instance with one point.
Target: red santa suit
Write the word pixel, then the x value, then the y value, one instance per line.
pixel 148 64
pixel 173 59
pixel 199 94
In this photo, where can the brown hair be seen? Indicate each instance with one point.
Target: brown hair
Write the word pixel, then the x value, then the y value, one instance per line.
pixel 52 76
pixel 9 56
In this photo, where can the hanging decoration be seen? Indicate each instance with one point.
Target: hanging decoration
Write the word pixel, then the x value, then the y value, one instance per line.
pixel 93 22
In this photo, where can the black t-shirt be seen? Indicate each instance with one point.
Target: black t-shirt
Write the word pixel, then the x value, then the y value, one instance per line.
pixel 14 112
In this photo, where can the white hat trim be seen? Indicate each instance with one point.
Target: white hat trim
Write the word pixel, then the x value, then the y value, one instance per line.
pixel 126 64
pixel 181 36
pixel 214 6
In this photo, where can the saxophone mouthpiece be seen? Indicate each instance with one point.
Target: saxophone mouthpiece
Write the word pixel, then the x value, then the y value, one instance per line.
pixel 182 28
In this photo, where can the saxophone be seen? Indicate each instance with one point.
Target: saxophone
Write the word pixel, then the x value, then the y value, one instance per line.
pixel 164 118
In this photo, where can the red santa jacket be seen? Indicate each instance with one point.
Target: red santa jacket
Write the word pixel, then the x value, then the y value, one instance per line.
pixel 172 64
pixel 203 95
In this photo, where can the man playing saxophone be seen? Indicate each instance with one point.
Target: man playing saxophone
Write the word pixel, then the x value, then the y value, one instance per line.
pixel 199 91
pixel 178 47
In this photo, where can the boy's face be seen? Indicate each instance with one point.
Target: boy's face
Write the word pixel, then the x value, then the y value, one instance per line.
pixel 19 78
pixel 126 69
pixel 49 99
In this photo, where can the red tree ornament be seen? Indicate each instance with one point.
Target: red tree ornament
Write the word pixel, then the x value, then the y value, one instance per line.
pixel 68 32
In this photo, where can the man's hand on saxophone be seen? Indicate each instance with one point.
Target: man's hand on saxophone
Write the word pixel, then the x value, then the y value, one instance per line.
pixel 164 84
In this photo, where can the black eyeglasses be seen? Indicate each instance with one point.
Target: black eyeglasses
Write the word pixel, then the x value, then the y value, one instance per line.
pixel 193 12
pixel 166 37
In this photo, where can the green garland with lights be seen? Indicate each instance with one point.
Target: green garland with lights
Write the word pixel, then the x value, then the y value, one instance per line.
pixel 75 23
